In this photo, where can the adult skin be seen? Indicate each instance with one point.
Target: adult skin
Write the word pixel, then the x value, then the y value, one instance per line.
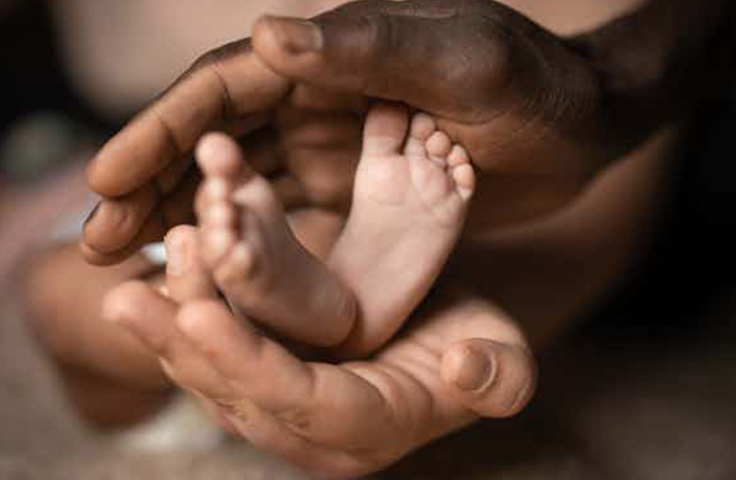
pixel 566 119
pixel 538 113
pixel 421 382
pixel 591 97
pixel 335 420
pixel 462 357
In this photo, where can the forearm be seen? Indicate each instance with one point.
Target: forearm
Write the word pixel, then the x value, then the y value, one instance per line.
pixel 659 63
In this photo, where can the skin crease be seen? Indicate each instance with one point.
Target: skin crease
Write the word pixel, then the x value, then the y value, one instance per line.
pixel 352 441
pixel 567 158
pixel 565 127
pixel 383 404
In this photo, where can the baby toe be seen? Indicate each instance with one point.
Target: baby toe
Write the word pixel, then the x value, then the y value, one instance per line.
pixel 235 269
pixel 438 147
pixel 462 172
pixel 422 127
pixel 216 244
pixel 219 215
pixel 218 154
pixel 213 190
pixel 457 156
pixel 385 129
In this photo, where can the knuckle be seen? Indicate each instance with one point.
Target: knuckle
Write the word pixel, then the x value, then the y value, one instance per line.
pixel 202 63
pixel 377 35
pixel 216 55
pixel 204 60
pixel 493 71
pixel 373 36
pixel 473 54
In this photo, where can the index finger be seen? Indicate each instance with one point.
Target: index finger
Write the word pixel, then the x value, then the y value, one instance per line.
pixel 228 88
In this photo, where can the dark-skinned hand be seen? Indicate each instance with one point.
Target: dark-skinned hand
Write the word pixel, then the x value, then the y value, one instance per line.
pixel 523 103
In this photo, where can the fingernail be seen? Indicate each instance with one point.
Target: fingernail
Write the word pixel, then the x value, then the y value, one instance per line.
pixel 297 36
pixel 92 213
pixel 177 256
pixel 475 370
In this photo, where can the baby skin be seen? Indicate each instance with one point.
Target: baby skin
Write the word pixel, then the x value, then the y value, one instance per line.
pixel 410 199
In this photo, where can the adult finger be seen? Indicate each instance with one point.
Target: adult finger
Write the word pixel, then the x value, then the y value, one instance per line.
pixel 118 228
pixel 389 50
pixel 301 394
pixel 124 216
pixel 490 378
pixel 130 302
pixel 227 88
pixel 150 318
pixel 152 230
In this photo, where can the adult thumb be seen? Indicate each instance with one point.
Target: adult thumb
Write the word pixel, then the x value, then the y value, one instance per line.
pixel 490 378
pixel 432 55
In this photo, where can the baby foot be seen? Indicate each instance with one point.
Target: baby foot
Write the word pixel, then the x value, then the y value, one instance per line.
pixel 429 177
pixel 410 200
pixel 255 259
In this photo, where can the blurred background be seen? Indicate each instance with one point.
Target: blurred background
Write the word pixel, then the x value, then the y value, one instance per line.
pixel 656 363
